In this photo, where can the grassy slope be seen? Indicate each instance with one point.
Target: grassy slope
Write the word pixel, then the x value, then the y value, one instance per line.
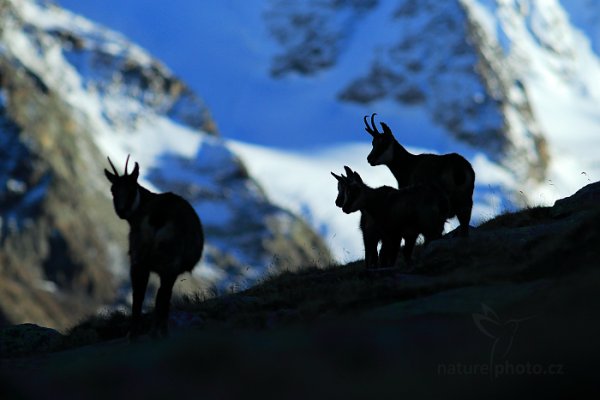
pixel 345 331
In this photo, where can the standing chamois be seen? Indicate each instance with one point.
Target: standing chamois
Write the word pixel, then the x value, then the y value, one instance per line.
pixel 452 172
pixel 395 213
pixel 165 236
pixel 371 232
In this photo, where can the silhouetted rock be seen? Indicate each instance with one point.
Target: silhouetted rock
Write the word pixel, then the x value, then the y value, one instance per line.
pixel 587 196
pixel 26 339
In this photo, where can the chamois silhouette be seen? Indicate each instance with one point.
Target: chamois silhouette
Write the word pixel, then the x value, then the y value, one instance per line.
pixel 397 213
pixel 165 236
pixel 452 172
pixel 371 232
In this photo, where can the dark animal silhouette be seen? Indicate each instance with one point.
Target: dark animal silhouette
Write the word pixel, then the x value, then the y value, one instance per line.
pixel 452 172
pixel 165 236
pixel 371 233
pixel 396 213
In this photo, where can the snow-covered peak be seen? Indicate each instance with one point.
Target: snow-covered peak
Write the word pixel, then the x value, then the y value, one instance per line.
pixel 81 31
pixel 127 82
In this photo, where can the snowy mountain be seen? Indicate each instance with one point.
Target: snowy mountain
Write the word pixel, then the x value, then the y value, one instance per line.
pixel 492 75
pixel 497 76
pixel 512 85
pixel 73 93
pixel 509 83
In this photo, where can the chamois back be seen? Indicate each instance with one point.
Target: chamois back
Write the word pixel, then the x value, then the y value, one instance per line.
pixel 450 172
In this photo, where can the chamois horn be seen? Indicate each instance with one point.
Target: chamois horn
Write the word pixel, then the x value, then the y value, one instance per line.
pixel 113 166
pixel 126 162
pixel 372 130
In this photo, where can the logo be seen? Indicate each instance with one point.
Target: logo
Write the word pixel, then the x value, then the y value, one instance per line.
pixel 501 332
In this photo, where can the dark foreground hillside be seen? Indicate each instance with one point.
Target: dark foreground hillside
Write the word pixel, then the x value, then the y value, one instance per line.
pixel 511 310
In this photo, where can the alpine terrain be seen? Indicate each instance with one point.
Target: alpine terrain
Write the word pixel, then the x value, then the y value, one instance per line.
pixel 72 93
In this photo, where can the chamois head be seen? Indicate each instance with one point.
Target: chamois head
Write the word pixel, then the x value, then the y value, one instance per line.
pixel 124 189
pixel 350 191
pixel 383 143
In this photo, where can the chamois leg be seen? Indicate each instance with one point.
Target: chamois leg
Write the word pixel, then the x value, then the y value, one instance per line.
pixel 409 245
pixel 139 282
pixel 371 258
pixel 389 252
pixel 464 217
pixel 163 303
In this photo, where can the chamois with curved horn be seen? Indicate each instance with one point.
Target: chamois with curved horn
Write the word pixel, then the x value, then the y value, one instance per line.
pixel 452 172
pixel 397 213
pixel 165 237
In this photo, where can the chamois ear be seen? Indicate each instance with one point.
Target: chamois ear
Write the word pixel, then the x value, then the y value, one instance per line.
pixel 136 171
pixel 386 129
pixel 348 171
pixel 356 177
pixel 339 178
pixel 109 176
